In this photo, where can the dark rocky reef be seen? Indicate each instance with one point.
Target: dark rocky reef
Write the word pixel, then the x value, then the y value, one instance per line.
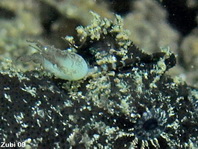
pixel 129 103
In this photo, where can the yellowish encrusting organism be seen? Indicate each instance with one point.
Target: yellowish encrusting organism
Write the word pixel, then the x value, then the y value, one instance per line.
pixel 63 64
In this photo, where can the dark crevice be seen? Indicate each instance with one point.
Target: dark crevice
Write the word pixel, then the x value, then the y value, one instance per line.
pixel 120 7
pixel 6 13
pixel 182 17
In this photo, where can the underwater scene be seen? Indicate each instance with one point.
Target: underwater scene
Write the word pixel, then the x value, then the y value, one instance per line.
pixel 99 74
